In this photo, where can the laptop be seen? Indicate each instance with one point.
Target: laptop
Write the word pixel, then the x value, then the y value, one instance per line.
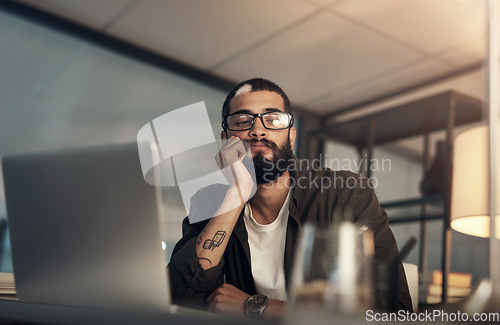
pixel 84 229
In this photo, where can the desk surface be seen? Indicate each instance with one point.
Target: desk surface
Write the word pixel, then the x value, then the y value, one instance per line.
pixel 21 312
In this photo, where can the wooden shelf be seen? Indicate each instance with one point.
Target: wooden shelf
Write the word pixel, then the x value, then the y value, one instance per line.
pixel 418 117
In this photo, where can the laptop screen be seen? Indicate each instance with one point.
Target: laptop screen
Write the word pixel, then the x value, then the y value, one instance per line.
pixel 84 229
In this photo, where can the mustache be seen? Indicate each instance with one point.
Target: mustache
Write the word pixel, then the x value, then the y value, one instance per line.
pixel 268 143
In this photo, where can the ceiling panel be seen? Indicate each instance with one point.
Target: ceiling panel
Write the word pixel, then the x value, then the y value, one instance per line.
pixel 471 52
pixel 429 25
pixel 322 3
pixel 319 55
pixel 92 13
pixel 204 33
pixel 412 74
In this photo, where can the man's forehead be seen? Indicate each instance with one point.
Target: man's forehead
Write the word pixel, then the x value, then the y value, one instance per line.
pixel 256 99
pixel 243 89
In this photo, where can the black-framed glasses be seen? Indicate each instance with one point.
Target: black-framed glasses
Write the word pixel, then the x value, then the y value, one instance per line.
pixel 270 120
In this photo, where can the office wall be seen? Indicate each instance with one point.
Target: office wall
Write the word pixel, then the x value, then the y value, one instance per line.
pixel 57 91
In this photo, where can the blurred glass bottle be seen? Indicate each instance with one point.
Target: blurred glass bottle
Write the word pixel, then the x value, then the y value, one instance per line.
pixel 332 270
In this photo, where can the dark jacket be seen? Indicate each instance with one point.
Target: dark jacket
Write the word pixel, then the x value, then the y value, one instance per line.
pixel 320 196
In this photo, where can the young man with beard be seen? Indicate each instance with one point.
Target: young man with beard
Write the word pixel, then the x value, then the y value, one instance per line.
pixel 249 269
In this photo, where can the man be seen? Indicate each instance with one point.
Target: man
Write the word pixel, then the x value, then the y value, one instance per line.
pixel 248 270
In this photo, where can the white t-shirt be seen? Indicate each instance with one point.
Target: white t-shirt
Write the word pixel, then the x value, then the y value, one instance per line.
pixel 267 252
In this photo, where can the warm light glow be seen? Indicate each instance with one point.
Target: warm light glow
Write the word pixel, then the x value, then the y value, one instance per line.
pixel 478 226
pixel 470 190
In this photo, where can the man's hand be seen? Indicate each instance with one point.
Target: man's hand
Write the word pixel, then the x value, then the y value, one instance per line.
pixel 230 161
pixel 228 299
pixel 233 149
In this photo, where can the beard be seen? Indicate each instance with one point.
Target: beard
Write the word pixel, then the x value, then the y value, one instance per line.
pixel 267 171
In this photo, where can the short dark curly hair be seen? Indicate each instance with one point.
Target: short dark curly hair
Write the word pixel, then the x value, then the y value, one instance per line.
pixel 256 84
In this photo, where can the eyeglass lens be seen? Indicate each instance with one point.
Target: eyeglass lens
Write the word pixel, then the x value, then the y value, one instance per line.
pixel 273 120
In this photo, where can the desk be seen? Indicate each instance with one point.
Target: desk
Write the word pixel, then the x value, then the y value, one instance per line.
pixel 21 312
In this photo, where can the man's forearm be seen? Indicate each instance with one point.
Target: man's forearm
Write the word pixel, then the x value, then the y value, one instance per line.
pixel 212 241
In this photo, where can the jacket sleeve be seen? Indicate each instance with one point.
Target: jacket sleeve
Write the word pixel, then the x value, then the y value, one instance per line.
pixel 363 206
pixel 190 283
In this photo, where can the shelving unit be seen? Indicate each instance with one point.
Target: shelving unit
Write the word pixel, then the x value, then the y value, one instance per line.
pixel 443 111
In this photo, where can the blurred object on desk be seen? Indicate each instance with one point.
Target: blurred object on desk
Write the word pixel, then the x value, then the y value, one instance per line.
pixel 431 287
pixel 7 286
pixel 332 271
pixel 411 272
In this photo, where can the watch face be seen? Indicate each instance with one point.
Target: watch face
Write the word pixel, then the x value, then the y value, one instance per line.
pixel 256 303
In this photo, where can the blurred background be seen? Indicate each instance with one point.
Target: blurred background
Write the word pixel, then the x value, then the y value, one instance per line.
pixel 368 81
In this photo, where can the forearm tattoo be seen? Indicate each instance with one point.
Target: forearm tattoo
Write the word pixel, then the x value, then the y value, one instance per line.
pixel 206 259
pixel 218 239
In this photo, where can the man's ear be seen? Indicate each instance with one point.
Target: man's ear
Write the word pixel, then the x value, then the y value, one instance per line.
pixel 223 134
pixel 292 134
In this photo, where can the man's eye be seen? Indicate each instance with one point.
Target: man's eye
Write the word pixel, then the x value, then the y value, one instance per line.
pixel 242 123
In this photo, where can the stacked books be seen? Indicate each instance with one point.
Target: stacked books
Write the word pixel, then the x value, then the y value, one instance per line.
pixel 7 286
pixel 430 287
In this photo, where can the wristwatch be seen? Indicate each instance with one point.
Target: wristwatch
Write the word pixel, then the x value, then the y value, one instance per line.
pixel 255 305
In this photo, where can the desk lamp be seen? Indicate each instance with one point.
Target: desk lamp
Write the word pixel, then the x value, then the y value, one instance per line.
pixel 471 208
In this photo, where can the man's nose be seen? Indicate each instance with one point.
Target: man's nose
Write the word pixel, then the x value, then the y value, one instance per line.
pixel 258 130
